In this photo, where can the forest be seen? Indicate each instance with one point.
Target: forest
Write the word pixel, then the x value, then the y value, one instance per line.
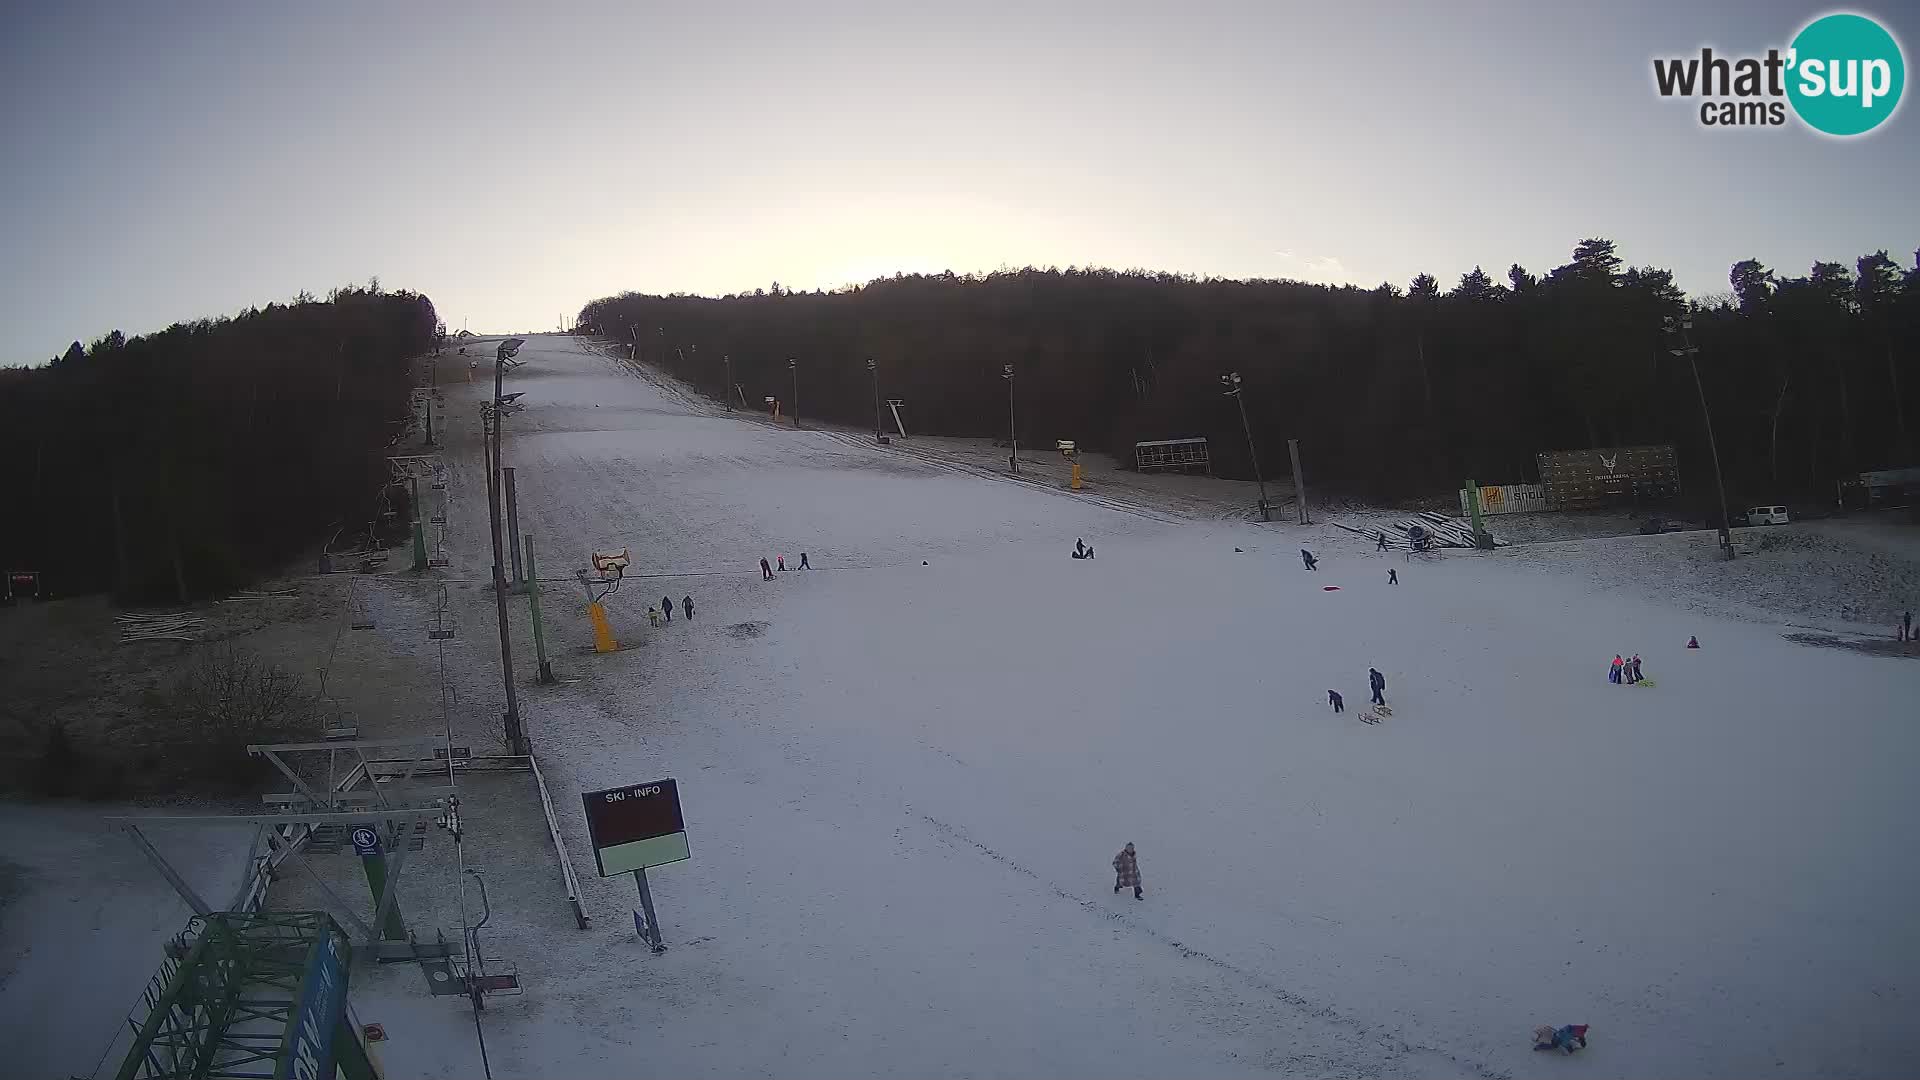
pixel 1393 392
pixel 178 465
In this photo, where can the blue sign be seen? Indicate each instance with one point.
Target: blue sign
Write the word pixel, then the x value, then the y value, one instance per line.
pixel 366 840
pixel 308 1053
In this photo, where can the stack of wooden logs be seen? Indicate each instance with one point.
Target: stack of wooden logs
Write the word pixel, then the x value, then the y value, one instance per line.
pixel 1441 531
pixel 1444 531
pixel 159 626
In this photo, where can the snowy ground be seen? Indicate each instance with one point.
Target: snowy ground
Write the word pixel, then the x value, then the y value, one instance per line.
pixel 905 772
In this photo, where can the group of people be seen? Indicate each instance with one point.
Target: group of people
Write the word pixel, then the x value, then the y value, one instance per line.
pixel 1082 549
pixel 1626 671
pixel 666 605
pixel 766 568
pixel 1376 681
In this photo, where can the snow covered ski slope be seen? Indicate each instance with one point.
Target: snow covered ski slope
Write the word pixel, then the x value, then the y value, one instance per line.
pixel 906 770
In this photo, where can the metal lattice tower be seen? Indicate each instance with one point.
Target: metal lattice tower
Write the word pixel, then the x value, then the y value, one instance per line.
pixel 248 996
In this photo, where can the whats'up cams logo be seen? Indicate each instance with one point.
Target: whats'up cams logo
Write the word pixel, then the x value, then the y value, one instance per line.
pixel 1842 75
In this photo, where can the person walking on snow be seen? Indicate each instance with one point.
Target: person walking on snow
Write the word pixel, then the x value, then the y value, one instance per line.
pixel 1393 576
pixel 1382 545
pixel 1306 557
pixel 1613 671
pixel 1334 699
pixel 1379 684
pixel 1635 663
pixel 783 564
pixel 666 605
pixel 1126 870
pixel 1906 626
pixel 766 571
pixel 687 603
pixel 803 561
pixel 653 616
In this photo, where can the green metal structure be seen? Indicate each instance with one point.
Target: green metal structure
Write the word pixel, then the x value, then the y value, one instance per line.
pixel 249 996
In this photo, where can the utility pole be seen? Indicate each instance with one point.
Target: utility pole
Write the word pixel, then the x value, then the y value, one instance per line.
pixel 1299 482
pixel 794 366
pixel 726 392
pixel 516 737
pixel 873 369
pixel 1231 380
pixel 1684 326
pixel 1013 431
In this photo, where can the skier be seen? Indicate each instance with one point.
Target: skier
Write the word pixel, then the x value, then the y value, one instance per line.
pixel 687 603
pixel 1307 559
pixel 1613 671
pixel 1379 684
pixel 653 616
pixel 1635 662
pixel 766 571
pixel 1334 699
pixel 1126 870
pixel 666 604
pixel 803 561
pixel 783 563
pixel 1393 576
pixel 1693 642
pixel 1546 1037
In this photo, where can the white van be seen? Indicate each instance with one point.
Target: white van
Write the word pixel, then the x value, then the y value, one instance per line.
pixel 1766 515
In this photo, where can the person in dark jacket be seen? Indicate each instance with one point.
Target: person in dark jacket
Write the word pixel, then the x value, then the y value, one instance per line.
pixel 1637 677
pixel 1307 559
pixel 1334 699
pixel 1569 1038
pixel 687 603
pixel 1382 545
pixel 1906 626
pixel 1393 576
pixel 803 562
pixel 666 605
pixel 766 569
pixel 1379 684
pixel 1126 870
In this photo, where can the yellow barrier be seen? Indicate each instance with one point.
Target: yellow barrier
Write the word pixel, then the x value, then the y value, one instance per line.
pixel 602 633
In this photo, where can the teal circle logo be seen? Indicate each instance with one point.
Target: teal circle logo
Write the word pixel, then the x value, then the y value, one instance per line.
pixel 1846 76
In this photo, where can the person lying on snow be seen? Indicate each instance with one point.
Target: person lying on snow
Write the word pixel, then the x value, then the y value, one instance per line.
pixel 1564 1038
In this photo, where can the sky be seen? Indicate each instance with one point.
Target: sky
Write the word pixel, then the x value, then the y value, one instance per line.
pixel 168 162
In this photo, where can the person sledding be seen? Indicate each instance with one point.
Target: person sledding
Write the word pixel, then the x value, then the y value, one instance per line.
pixel 1081 549
pixel 1569 1038
pixel 1126 870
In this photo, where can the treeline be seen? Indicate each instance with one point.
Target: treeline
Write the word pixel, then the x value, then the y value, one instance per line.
pixel 1391 391
pixel 181 464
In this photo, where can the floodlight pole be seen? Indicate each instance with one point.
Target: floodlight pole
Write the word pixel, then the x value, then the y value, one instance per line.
pixel 1689 350
pixel 1013 431
pixel 726 392
pixel 516 737
pixel 874 370
pixel 794 366
pixel 1231 380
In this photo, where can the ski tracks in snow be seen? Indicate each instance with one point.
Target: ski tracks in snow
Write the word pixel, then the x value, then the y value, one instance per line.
pixel 1356 1035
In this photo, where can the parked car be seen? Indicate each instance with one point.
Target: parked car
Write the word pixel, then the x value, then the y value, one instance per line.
pixel 1766 515
pixel 1660 524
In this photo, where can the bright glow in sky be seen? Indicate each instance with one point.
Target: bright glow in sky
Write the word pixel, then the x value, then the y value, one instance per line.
pixel 172 161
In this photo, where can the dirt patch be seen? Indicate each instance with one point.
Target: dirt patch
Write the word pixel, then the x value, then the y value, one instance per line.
pixel 745 630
